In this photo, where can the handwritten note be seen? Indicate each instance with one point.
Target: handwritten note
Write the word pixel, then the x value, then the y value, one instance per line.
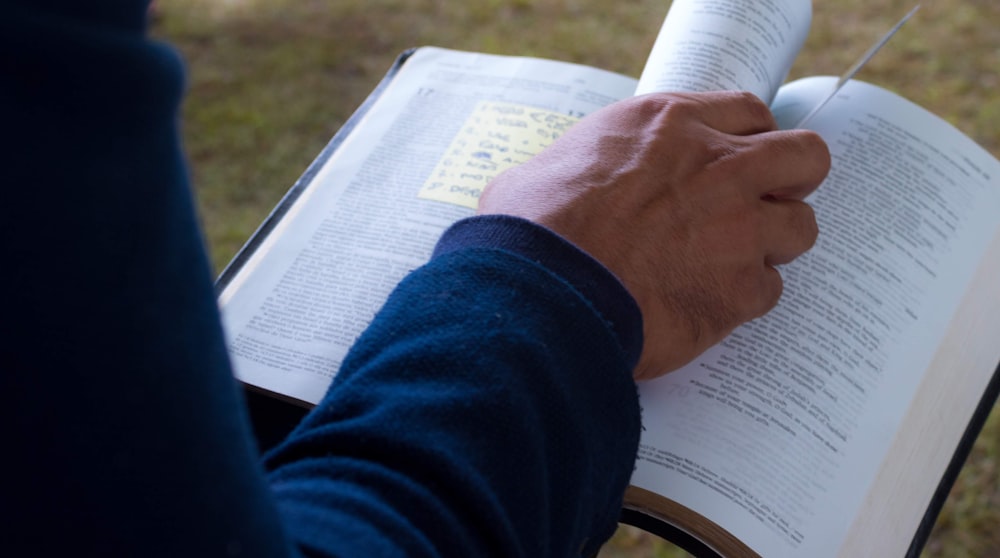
pixel 495 137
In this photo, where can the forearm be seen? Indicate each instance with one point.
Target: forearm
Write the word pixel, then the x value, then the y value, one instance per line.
pixel 488 410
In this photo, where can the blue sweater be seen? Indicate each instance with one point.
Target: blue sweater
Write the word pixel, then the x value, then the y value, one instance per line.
pixel 488 410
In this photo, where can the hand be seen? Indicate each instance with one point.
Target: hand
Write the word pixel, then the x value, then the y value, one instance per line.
pixel 690 199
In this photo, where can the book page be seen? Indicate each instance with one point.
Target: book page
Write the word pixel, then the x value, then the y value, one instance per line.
pixel 778 432
pixel 727 45
pixel 935 423
pixel 416 163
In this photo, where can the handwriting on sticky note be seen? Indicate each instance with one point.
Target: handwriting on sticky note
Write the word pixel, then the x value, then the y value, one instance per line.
pixel 495 137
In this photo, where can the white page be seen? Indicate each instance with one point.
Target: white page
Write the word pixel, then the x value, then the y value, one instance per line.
pixel 827 376
pixel 299 303
pixel 732 45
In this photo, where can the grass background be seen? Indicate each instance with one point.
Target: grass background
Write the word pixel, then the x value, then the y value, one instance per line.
pixel 272 80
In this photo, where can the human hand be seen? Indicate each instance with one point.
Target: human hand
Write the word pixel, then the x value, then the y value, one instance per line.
pixel 690 199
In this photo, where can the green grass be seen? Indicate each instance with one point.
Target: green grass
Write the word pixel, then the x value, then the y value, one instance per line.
pixel 271 81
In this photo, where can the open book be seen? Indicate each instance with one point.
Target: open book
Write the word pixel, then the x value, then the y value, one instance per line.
pixel 829 427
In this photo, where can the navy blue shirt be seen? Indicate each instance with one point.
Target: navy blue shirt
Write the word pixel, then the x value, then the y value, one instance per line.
pixel 488 410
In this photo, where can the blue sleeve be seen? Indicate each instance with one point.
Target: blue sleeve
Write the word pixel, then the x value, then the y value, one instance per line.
pixel 488 410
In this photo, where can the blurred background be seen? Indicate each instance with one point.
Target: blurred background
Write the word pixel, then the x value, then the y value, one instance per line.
pixel 270 81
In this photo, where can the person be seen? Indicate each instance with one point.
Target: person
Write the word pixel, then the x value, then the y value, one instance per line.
pixel 489 409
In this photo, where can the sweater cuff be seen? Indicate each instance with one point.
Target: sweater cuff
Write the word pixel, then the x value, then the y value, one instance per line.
pixel 589 277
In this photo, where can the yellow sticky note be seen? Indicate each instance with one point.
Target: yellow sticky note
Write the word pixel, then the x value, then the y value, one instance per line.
pixel 495 137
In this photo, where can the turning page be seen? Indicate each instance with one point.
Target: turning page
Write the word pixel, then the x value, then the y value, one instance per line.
pixel 727 45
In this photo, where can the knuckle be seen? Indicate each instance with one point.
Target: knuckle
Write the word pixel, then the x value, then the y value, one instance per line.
pixel 664 105
pixel 813 148
pixel 816 146
pixel 804 144
pixel 690 106
pixel 679 107
pixel 755 107
pixel 801 227
pixel 816 143
pixel 720 150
